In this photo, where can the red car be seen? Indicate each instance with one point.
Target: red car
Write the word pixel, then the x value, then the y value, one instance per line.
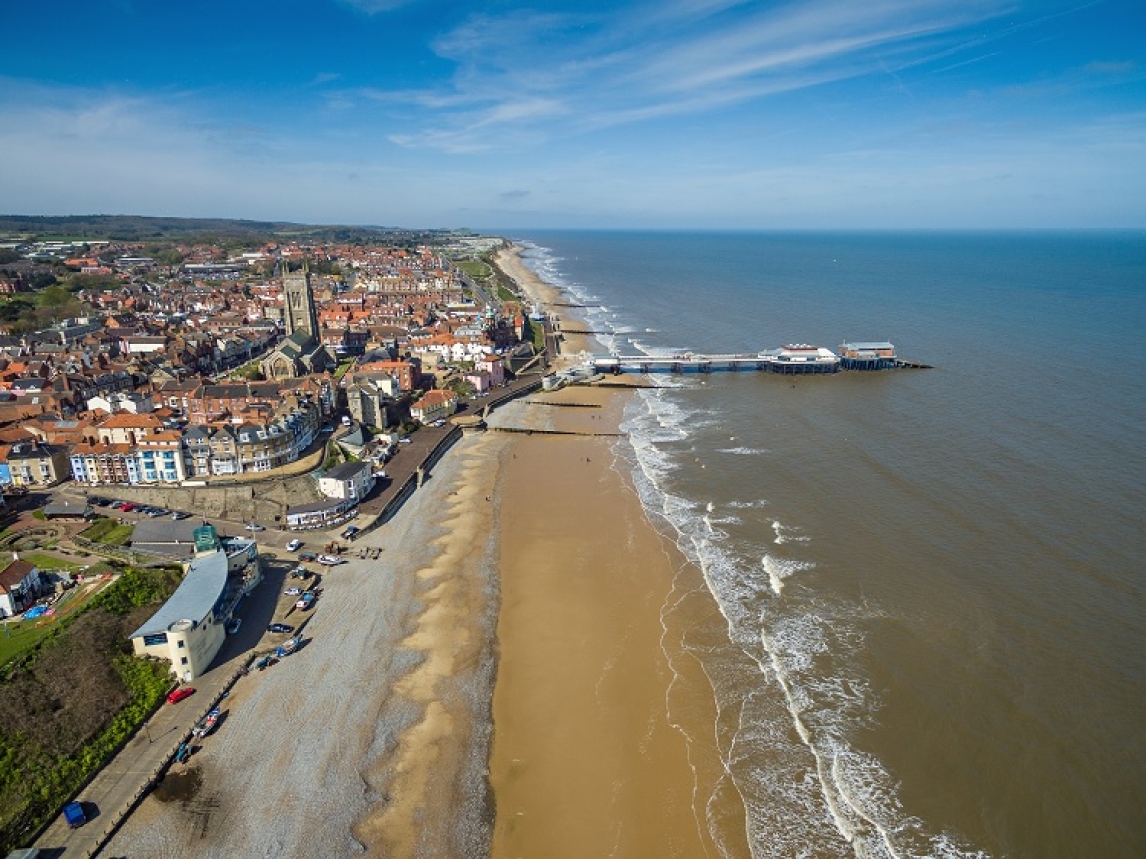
pixel 128 507
pixel 179 694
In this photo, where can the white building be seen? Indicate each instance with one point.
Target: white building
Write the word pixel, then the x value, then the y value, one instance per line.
pixel 136 404
pixel 19 586
pixel 189 628
pixel 351 481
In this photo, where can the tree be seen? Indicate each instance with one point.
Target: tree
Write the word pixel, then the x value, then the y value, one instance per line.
pixel 40 279
pixel 460 386
pixel 55 296
pixel 14 310
pixel 169 257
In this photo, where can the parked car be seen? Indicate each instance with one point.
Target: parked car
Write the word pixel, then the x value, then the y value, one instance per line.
pixel 75 815
pixel 306 556
pixel 280 627
pixel 127 507
pixel 405 440
pixel 254 526
pixel 99 501
pixel 116 505
pixel 179 694
pixel 350 532
pixel 156 511
pixel 177 515
pixel 294 545
pixel 292 591
pixel 233 625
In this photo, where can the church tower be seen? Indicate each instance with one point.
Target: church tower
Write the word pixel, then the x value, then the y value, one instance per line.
pixel 298 304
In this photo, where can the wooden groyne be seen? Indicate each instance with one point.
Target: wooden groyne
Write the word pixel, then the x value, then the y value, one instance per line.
pixel 526 431
pixel 624 386
pixel 564 405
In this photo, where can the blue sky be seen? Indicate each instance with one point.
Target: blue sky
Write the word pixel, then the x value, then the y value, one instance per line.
pixel 675 113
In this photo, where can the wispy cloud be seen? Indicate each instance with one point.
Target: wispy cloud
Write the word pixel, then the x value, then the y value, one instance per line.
pixel 374 7
pixel 638 65
pixel 1119 67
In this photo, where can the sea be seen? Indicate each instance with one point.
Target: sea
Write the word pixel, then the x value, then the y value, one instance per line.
pixel 931 582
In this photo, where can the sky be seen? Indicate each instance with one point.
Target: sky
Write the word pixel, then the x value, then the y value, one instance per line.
pixel 669 114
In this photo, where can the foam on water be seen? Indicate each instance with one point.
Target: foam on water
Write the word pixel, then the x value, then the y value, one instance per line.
pixel 806 789
pixel 779 569
pixel 748 505
pixel 787 534
pixel 804 649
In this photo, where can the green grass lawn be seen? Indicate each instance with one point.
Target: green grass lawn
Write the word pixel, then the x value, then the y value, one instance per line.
pixel 15 638
pixel 475 268
pixel 108 531
pixel 18 636
pixel 51 562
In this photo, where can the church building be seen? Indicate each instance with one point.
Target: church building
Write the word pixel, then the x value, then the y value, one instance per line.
pixel 301 353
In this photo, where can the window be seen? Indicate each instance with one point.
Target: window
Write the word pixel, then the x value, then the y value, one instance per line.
pixel 182 644
pixel 183 661
pixel 157 638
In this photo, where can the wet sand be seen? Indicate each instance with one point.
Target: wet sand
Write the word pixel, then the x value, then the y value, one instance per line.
pixel 525 564
pixel 604 741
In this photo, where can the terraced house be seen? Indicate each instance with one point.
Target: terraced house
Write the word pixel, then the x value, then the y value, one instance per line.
pixel 221 448
pixel 33 463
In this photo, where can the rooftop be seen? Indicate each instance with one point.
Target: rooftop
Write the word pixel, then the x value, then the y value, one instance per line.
pixel 345 471
pixel 202 586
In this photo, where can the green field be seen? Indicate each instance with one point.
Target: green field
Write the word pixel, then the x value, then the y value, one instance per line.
pixel 108 531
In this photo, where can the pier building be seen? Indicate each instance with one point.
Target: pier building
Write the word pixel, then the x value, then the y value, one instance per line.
pixel 876 355
pixel 792 359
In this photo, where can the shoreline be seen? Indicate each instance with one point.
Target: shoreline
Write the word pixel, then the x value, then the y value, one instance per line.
pixel 514 665
pixel 599 712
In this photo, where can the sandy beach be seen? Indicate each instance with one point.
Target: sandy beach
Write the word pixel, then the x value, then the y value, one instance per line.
pixel 373 738
pixel 603 726
pixel 510 678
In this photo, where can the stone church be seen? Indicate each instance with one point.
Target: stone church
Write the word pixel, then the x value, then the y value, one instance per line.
pixel 300 353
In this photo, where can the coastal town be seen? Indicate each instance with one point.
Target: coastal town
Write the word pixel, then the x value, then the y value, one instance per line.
pixel 228 506
pixel 240 417
pixel 224 365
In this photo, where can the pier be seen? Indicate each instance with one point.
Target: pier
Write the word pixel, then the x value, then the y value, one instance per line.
pixel 792 360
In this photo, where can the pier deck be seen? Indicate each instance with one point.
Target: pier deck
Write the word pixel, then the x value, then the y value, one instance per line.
pixel 694 363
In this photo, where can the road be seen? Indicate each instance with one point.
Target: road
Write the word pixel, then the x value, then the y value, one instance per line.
pixel 129 774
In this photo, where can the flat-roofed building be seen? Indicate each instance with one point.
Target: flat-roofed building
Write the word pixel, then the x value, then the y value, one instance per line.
pixel 867 355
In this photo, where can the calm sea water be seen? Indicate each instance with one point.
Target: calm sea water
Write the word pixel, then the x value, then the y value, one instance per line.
pixel 933 580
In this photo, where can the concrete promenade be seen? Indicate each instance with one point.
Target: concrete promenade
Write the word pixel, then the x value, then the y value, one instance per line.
pixel 125 780
pixel 116 789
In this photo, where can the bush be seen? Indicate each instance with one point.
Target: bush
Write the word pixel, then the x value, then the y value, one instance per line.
pixel 73 699
pixel 108 531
